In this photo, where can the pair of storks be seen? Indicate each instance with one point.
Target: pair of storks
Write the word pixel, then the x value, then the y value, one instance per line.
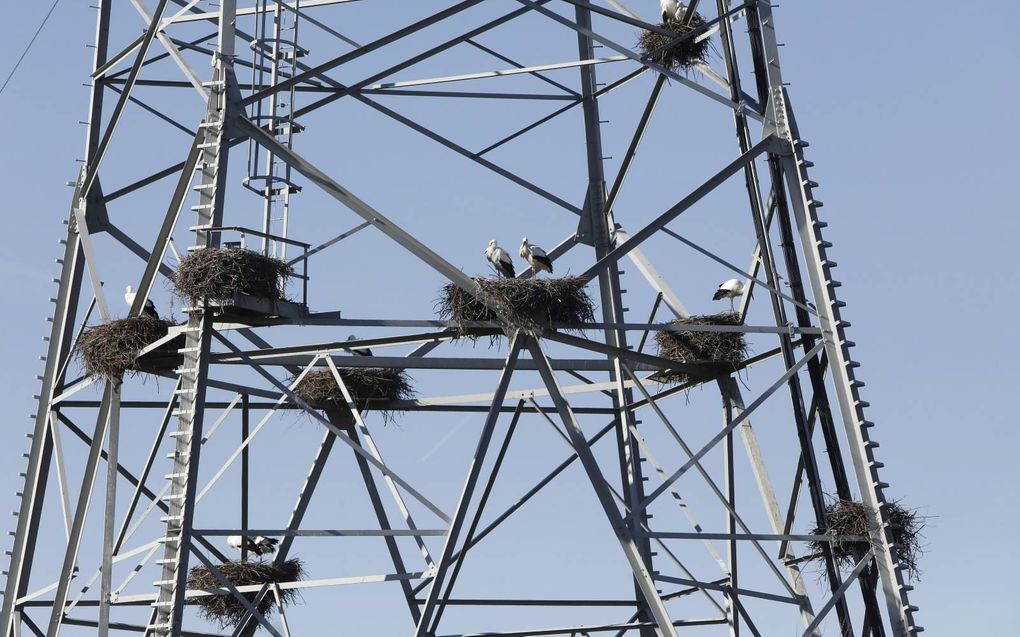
pixel 538 260
pixel 504 264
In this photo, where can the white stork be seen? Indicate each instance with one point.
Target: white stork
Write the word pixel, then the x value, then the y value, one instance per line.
pixel 729 289
pixel 358 351
pixel 259 545
pixel 500 259
pixel 150 307
pixel 672 10
pixel 536 257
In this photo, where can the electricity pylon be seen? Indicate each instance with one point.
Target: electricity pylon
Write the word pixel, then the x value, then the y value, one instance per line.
pixel 257 87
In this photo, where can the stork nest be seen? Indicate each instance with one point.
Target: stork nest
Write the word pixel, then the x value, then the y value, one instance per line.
pixel 529 304
pixel 845 517
pixel 681 56
pixel 227 610
pixel 110 349
pixel 372 388
pixel 217 274
pixel 727 348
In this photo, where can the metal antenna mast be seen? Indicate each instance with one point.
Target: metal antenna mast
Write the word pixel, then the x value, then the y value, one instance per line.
pixel 695 531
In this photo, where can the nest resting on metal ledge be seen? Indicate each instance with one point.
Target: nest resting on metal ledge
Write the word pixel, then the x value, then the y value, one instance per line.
pixel 853 518
pixel 227 610
pixel 682 56
pixel 215 274
pixel 370 387
pixel 700 347
pixel 110 349
pixel 529 304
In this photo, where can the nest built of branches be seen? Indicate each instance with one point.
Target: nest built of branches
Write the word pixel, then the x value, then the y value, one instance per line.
pixel 111 349
pixel 681 56
pixel 530 304
pixel 372 388
pixel 227 610
pixel 216 274
pixel 847 518
pixel 723 348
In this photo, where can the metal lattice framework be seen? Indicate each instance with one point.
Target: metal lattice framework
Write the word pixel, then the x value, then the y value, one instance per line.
pixel 673 571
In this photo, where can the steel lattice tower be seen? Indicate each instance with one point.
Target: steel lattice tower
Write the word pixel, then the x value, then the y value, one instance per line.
pixel 261 85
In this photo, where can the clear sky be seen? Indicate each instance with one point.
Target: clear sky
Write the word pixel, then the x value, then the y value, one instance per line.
pixel 907 113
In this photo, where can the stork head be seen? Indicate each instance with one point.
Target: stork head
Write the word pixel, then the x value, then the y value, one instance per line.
pixel 492 245
pixel 524 241
pixel 128 289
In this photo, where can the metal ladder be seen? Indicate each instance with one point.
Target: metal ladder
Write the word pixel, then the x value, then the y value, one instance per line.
pixel 844 374
pixel 267 176
pixel 191 392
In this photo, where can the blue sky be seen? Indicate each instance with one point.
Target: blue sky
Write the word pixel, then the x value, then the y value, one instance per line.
pixel 907 114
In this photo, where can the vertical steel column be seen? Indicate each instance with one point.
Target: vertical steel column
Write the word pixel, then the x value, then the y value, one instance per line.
pixel 62 332
pixel 110 511
pixel 598 229
pixel 245 430
pixel 731 523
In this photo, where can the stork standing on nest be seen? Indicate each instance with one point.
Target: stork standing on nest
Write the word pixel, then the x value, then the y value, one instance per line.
pixel 536 257
pixel 259 545
pixel 358 351
pixel 500 259
pixel 150 307
pixel 729 289
pixel 672 10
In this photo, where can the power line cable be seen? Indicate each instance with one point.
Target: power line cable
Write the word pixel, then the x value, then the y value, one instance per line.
pixel 29 47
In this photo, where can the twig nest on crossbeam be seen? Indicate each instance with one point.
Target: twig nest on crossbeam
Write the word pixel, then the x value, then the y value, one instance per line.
pixel 848 518
pixel 216 274
pixel 111 349
pixel 529 304
pixel 681 56
pixel 224 608
pixel 372 388
pixel 707 348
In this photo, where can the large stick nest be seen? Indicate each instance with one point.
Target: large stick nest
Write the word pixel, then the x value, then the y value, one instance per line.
pixel 370 387
pixel 110 349
pixel 227 610
pixel 681 56
pixel 216 274
pixel 529 304
pixel 854 518
pixel 726 348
